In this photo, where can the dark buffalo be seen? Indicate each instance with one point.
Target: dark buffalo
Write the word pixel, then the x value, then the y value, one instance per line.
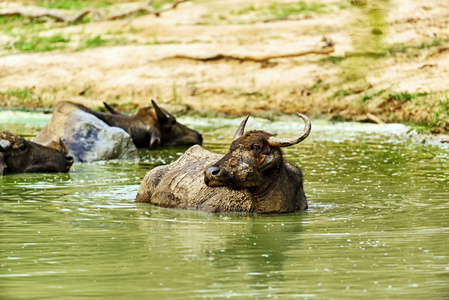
pixel 17 155
pixel 252 177
pixel 90 135
pixel 151 127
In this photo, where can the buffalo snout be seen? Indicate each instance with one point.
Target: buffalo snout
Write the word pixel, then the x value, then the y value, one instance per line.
pixel 212 177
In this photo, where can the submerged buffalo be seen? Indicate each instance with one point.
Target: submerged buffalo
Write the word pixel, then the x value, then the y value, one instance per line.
pixel 17 155
pixel 252 177
pixel 90 135
pixel 151 127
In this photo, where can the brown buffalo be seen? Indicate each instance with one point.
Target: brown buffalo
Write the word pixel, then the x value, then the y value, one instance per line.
pixel 252 177
pixel 90 135
pixel 151 127
pixel 17 155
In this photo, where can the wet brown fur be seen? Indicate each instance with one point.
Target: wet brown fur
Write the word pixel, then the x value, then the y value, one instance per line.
pixel 23 156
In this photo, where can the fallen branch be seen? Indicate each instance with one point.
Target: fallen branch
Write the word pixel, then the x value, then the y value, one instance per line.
pixel 59 17
pixel 147 8
pixel 260 59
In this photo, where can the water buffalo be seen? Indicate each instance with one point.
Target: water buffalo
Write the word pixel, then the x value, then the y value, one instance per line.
pixel 17 155
pixel 252 177
pixel 151 127
pixel 90 135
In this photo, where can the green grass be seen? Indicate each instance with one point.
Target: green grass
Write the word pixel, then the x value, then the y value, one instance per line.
pixel 319 85
pixel 370 96
pixel 333 59
pixel 282 10
pixel 438 121
pixel 342 93
pixel 40 44
pixel 13 25
pixel 23 96
pixel 72 4
pixel 405 96
pixel 100 41
pixel 424 45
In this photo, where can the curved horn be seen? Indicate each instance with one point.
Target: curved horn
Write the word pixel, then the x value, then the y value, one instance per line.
pixel 111 110
pixel 285 142
pixel 4 145
pixel 241 128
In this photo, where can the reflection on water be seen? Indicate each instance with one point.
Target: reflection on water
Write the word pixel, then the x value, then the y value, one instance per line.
pixel 377 226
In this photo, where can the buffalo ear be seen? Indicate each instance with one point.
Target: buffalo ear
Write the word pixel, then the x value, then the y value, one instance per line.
pixel 266 163
pixel 161 114
pixel 2 164
pixel 155 139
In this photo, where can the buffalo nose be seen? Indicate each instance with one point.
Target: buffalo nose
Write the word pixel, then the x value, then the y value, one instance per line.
pixel 212 172
pixel 69 159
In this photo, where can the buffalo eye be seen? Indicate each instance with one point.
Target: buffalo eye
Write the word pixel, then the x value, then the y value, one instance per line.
pixel 255 148
pixel 22 147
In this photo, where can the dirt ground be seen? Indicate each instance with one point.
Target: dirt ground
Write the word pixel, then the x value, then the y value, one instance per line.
pixel 360 80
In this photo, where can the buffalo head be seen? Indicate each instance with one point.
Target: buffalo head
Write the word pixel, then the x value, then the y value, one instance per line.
pixel 18 155
pixel 253 160
pixel 152 127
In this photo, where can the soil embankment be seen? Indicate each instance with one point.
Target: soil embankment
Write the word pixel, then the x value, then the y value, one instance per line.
pixel 402 78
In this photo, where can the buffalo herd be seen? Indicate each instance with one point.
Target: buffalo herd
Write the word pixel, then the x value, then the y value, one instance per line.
pixel 252 177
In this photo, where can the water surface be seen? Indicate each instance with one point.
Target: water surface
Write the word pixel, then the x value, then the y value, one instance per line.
pixel 377 226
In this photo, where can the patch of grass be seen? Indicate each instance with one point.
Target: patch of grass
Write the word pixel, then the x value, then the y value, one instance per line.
pixel 424 45
pixel 21 96
pixel 405 96
pixel 72 4
pixel 284 10
pixel 36 43
pixel 440 117
pixel 438 121
pixel 342 93
pixel 369 96
pixel 319 85
pixel 278 10
pixel 334 59
pixel 12 25
pixel 100 41
pixel 94 42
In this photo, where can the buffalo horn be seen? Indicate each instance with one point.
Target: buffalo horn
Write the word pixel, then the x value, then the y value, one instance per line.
pixel 4 145
pixel 111 110
pixel 241 128
pixel 161 115
pixel 285 142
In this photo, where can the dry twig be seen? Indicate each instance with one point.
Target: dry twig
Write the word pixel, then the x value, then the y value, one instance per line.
pixel 260 59
pixel 374 119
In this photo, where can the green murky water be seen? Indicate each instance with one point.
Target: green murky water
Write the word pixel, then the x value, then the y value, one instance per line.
pixel 377 227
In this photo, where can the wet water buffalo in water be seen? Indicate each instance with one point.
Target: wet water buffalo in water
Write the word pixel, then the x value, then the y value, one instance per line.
pixel 151 127
pixel 252 177
pixel 17 155
pixel 90 135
